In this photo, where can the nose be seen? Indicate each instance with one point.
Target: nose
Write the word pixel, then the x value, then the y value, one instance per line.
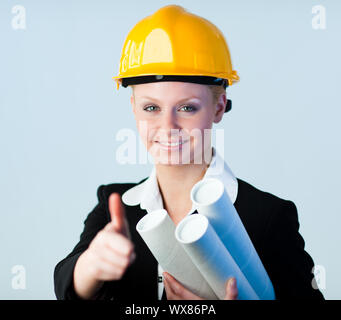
pixel 169 121
pixel 168 125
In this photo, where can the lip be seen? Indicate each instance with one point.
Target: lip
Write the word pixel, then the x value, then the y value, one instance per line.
pixel 168 145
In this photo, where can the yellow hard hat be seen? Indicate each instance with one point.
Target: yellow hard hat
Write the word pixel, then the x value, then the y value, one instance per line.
pixel 173 43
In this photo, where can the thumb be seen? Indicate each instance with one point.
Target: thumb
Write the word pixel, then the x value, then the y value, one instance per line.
pixel 231 289
pixel 117 213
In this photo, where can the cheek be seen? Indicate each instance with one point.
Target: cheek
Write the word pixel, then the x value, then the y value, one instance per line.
pixel 200 131
pixel 201 123
pixel 146 130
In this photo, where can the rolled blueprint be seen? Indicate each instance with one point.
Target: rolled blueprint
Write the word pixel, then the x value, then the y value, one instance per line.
pixel 211 257
pixel 211 200
pixel 157 230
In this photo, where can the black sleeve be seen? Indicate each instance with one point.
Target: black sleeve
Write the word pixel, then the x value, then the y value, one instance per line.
pixel 289 266
pixel 63 273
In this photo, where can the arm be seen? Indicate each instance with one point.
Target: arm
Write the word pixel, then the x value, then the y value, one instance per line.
pixel 63 273
pixel 289 266
pixel 103 253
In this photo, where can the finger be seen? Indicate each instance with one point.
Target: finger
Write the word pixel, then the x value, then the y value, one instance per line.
pixel 110 226
pixel 231 289
pixel 119 243
pixel 117 214
pixel 178 290
pixel 169 293
pixel 117 258
pixel 105 270
pixel 171 284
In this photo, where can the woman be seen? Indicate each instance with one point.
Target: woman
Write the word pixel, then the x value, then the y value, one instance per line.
pixel 178 66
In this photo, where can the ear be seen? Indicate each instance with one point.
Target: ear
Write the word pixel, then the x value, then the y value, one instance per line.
pixel 220 108
pixel 132 101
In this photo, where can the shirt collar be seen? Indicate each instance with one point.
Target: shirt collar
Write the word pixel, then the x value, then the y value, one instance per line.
pixel 147 193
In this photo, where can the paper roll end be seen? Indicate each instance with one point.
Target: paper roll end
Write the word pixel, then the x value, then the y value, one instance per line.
pixel 151 220
pixel 191 228
pixel 207 191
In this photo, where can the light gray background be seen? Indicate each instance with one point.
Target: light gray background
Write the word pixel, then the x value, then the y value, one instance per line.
pixel 60 112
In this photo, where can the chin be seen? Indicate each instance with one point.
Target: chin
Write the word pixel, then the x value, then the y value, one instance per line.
pixel 176 159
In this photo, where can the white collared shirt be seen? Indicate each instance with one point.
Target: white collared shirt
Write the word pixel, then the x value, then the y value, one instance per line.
pixel 148 196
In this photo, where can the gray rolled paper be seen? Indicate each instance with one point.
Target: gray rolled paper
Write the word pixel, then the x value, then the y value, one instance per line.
pixel 157 230
pixel 211 200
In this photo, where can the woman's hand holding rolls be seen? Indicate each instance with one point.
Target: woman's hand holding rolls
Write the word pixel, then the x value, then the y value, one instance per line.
pixel 176 291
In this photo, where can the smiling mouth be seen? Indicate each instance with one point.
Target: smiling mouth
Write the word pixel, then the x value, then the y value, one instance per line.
pixel 171 144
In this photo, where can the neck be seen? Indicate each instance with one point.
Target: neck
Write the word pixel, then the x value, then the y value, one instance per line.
pixel 168 175
pixel 175 184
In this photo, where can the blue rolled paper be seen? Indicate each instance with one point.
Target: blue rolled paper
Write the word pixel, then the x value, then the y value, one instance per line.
pixel 211 200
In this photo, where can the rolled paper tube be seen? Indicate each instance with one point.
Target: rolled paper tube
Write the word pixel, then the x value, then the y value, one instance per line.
pixel 157 230
pixel 211 257
pixel 211 200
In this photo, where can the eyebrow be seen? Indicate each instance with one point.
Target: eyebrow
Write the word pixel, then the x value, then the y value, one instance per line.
pixel 182 100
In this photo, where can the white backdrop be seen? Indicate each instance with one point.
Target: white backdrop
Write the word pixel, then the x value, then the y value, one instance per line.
pixel 60 113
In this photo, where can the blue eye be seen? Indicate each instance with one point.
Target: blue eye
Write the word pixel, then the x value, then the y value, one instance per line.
pixel 150 108
pixel 185 108
pixel 188 108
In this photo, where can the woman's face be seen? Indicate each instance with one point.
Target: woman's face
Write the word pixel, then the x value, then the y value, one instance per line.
pixel 174 120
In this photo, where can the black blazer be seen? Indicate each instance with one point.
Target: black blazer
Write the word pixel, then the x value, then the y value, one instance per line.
pixel 272 225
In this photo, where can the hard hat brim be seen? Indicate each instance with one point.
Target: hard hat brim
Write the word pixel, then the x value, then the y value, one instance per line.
pixel 192 79
pixel 158 78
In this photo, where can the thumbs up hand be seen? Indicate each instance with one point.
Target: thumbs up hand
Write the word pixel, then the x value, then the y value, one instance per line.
pixel 109 254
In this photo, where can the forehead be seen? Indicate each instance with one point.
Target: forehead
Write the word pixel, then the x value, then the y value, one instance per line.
pixel 171 90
